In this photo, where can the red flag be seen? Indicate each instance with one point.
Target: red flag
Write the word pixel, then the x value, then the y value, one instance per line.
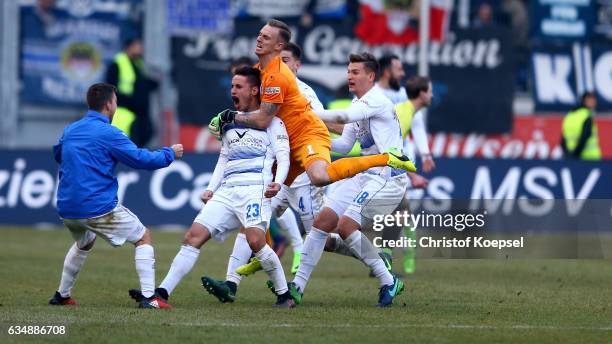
pixel 380 25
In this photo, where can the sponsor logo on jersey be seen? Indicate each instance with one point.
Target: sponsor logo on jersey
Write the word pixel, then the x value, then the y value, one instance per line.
pixel 272 90
pixel 282 137
pixel 241 135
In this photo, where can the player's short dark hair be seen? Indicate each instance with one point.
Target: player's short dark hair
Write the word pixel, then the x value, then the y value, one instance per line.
pixel 241 62
pixel 252 74
pixel 99 94
pixel 284 31
pixel 415 85
pixel 295 50
pixel 385 61
pixel 368 60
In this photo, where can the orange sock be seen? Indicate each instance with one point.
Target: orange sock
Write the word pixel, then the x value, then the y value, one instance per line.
pixel 269 238
pixel 348 167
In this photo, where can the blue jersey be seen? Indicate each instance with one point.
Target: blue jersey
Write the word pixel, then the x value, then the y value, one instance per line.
pixel 88 152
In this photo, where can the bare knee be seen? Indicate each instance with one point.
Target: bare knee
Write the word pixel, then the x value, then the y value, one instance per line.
pixel 196 236
pixel 346 227
pixel 146 239
pixel 317 172
pixel 326 220
pixel 256 238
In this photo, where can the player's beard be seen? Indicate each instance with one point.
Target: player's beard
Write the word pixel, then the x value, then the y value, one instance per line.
pixel 394 84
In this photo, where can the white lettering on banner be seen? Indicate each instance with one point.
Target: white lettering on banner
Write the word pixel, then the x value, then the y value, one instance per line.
pixel 482 189
pixel 124 179
pixel 603 76
pixel 13 193
pixel 4 178
pixel 552 74
pixel 157 182
pixel 539 191
pixel 440 190
pixel 496 146
pixel 322 47
pixel 575 202
pixel 37 189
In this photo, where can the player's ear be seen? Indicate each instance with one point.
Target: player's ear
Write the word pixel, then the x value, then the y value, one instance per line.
pixel 254 91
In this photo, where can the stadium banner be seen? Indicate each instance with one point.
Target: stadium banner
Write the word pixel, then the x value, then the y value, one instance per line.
pixel 188 17
pixel 289 8
pixel 562 73
pixel 171 196
pixel 532 137
pixel 471 62
pixel 562 19
pixel 67 48
pixel 603 26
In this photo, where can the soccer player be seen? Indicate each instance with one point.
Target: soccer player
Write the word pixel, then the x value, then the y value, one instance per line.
pixel 87 153
pixel 419 92
pixel 308 136
pixel 377 190
pixel 238 195
pixel 392 73
pixel 301 196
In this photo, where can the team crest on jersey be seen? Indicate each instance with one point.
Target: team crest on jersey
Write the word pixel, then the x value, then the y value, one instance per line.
pixel 272 90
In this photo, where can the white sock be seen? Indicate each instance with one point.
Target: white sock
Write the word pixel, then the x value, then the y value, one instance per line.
pixel 181 265
pixel 340 247
pixel 240 256
pixel 363 249
pixel 307 222
pixel 311 254
pixel 288 224
pixel 272 266
pixel 72 265
pixel 145 267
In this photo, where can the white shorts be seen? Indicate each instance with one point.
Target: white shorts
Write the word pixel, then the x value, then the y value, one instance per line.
pixel 367 195
pixel 306 200
pixel 232 207
pixel 116 227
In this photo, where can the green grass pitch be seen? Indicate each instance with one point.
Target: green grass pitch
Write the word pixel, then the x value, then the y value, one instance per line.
pixel 446 301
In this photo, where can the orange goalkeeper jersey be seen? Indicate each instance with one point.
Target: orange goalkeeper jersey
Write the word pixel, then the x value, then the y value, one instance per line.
pixel 278 86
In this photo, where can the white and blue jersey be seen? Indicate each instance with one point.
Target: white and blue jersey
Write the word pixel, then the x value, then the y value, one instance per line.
pixel 243 172
pixel 251 153
pixel 377 131
pixel 370 119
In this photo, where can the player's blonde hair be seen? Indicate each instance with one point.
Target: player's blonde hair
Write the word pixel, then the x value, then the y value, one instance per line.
pixel 283 29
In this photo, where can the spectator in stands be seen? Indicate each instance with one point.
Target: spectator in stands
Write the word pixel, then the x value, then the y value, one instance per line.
pixel 243 61
pixel 134 87
pixel 484 17
pixel 579 139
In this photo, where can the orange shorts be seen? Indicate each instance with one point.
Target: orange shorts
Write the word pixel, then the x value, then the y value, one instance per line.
pixel 310 147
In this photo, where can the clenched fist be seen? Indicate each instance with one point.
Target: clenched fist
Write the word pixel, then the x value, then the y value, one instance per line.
pixel 178 150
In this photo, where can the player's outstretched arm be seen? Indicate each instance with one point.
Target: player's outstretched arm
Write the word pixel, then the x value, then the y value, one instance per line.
pixel 259 119
pixel 358 111
pixel 125 151
pixel 345 143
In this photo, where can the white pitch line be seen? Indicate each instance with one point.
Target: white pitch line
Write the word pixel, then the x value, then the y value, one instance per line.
pixel 382 326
